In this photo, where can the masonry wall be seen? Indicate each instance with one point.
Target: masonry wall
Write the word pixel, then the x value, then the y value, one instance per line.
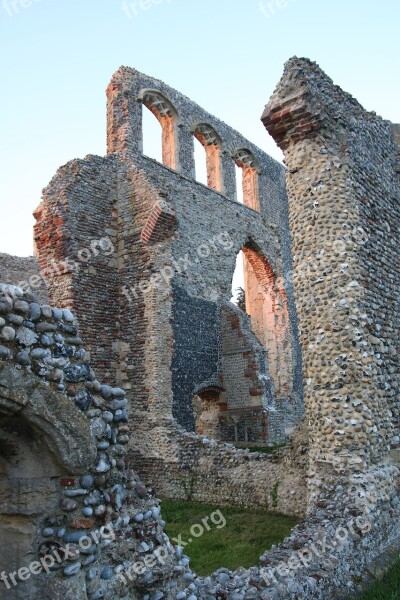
pixel 63 471
pixel 344 211
pixel 343 201
pixel 75 238
pixel 23 271
pixel 211 225
pixel 149 301
pixel 196 359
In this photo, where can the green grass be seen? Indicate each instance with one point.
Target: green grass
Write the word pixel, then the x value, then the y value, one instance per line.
pixel 387 588
pixel 263 449
pixel 246 535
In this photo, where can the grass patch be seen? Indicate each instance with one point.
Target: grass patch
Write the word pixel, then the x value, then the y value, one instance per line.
pixel 263 449
pixel 246 535
pixel 387 588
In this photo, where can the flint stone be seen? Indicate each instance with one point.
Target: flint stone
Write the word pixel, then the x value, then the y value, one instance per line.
pixel 5 308
pixel 45 327
pixel 5 353
pixel 21 307
pixel 68 316
pixel 83 400
pixel 39 353
pixel 87 481
pixel 77 372
pixel 22 358
pixel 8 334
pixel 15 319
pixel 26 337
pixel 57 313
pixel 34 311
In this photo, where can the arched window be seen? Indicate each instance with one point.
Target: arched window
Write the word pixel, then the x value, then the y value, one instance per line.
pixel 152 136
pixel 211 143
pixel 247 179
pixel 238 285
pixel 266 304
pixel 239 184
pixel 166 115
pixel 200 162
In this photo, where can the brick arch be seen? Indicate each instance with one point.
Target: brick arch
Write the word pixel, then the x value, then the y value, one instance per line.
pixel 267 306
pixel 261 267
pixel 212 144
pixel 166 114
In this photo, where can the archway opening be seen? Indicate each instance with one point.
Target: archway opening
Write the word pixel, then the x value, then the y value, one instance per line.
pixel 266 304
pixel 208 407
pixel 28 490
pixel 247 179
pixel 238 284
pixel 211 143
pixel 162 148
pixel 200 161
pixel 152 136
pixel 239 184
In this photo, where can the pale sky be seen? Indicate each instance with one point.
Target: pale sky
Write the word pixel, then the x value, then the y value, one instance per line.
pixel 59 55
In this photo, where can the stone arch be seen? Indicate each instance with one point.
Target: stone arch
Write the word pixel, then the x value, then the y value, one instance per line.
pixel 247 163
pixel 212 144
pixel 167 116
pixel 42 437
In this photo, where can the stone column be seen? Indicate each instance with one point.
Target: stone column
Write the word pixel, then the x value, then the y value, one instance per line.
pixel 343 211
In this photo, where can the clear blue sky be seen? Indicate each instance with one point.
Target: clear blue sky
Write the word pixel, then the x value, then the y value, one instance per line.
pixel 59 55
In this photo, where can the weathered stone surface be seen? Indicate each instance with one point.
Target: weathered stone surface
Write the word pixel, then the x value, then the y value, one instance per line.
pixel 66 431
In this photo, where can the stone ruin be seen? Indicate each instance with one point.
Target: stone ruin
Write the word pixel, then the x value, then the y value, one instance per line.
pixel 138 258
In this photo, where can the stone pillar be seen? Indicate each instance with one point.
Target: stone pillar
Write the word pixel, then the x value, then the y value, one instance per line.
pixel 343 211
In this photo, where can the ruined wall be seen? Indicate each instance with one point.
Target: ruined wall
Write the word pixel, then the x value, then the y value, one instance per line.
pixel 202 318
pixel 211 226
pixel 25 272
pixel 246 375
pixel 75 242
pixel 149 305
pixel 342 168
pixel 344 213
pixel 203 470
pixel 63 477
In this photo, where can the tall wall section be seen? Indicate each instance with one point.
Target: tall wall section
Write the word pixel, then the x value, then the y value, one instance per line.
pixel 75 239
pixel 211 225
pixel 344 217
